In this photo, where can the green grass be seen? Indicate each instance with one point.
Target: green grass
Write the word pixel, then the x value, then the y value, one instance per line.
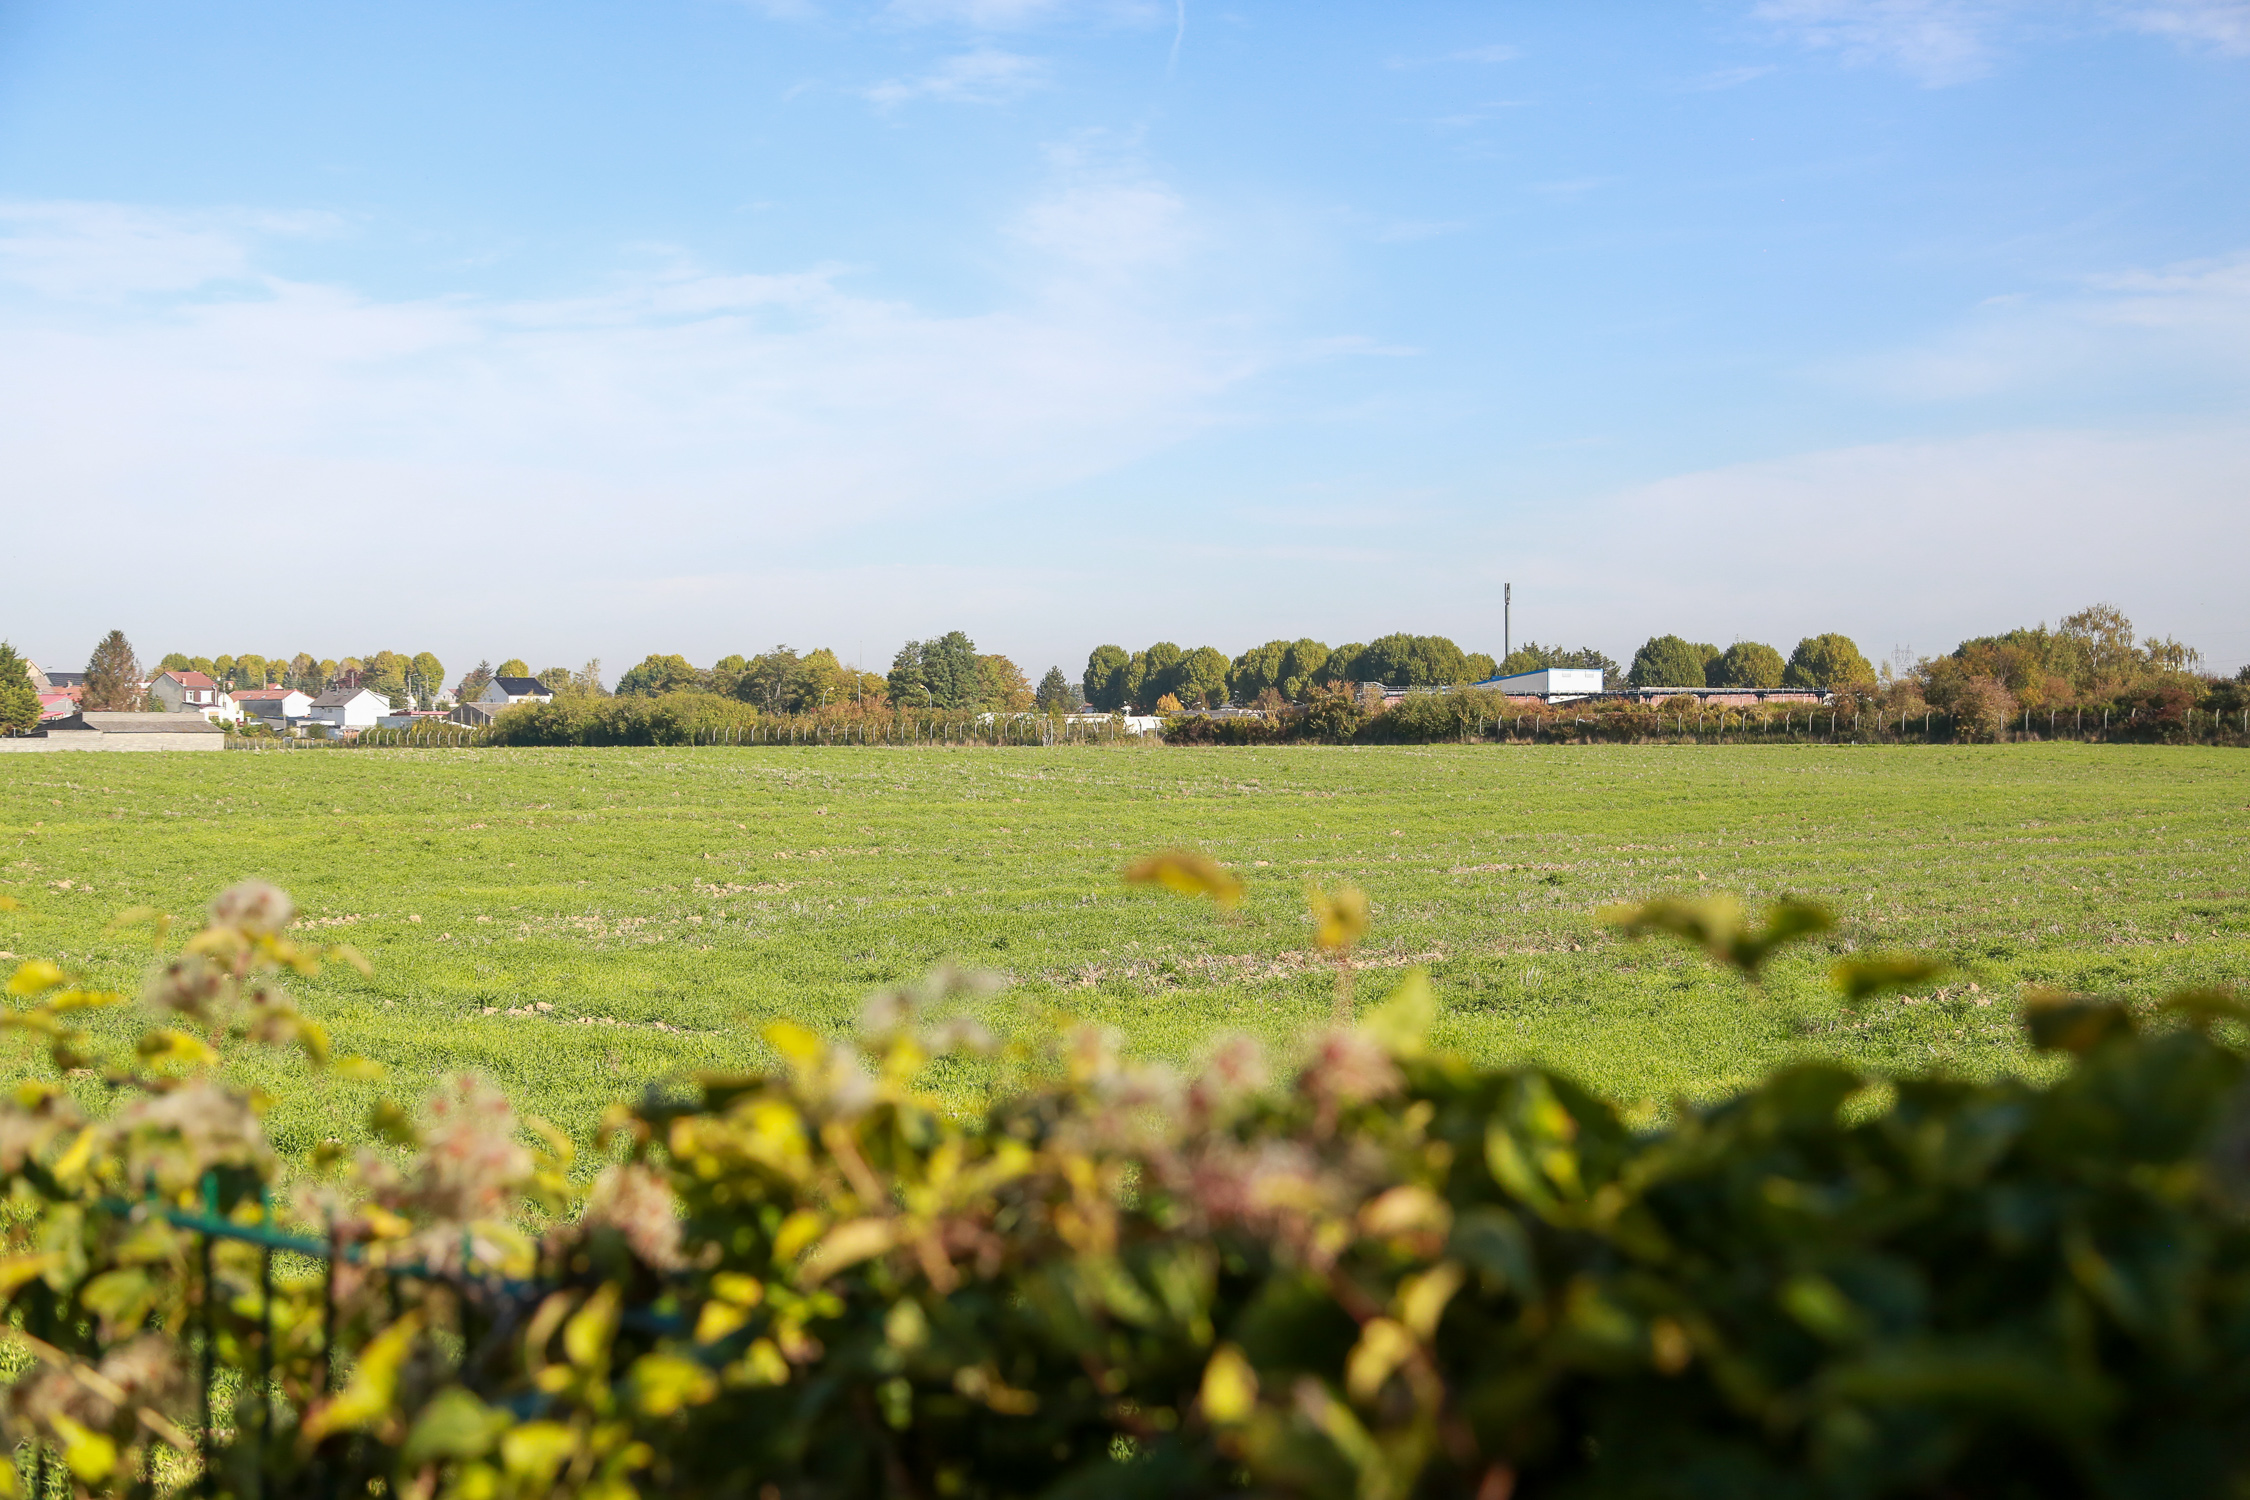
pixel 711 890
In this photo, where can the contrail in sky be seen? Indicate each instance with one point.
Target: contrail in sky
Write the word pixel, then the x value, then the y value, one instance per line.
pixel 1179 35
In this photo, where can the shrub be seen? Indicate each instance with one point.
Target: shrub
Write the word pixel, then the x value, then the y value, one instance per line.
pixel 1983 709
pixel 1395 1274
pixel 672 719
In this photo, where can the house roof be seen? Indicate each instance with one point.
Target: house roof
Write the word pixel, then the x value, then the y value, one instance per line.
pixel 132 723
pixel 524 687
pixel 65 679
pixel 189 679
pixel 338 697
pixel 266 694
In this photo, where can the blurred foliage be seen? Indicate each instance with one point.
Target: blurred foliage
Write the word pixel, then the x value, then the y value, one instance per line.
pixel 1390 1274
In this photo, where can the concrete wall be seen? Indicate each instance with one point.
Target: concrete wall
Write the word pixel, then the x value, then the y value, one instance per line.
pixel 90 740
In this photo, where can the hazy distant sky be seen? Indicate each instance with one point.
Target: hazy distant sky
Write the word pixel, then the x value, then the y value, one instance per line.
pixel 560 330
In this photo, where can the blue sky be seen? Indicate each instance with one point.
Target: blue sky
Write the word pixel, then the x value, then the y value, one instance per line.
pixel 571 330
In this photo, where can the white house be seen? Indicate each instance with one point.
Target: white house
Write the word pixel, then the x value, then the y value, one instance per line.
pixel 1555 684
pixel 277 706
pixel 349 709
pixel 516 690
pixel 192 692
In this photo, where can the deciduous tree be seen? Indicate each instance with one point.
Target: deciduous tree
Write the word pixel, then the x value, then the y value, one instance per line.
pixel 1669 661
pixel 514 666
pixel 655 675
pixel 474 682
pixel 1105 678
pixel 1747 664
pixel 1002 687
pixel 1829 661
pixel 1201 678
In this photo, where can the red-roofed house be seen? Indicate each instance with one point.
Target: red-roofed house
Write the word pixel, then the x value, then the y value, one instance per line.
pixel 192 692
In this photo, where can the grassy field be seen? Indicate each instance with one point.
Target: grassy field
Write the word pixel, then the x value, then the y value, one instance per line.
pixel 664 904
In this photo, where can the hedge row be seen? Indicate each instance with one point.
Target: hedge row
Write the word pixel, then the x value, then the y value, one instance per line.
pixel 1385 1273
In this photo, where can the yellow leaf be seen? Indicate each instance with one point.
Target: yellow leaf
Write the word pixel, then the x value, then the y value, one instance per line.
pixel 313 1037
pixel 664 1383
pixel 1339 916
pixel 848 1244
pixel 1230 1387
pixel 345 953
pixel 797 1046
pixel 1406 1209
pixel 1383 1346
pixel 1422 1299
pixel 1188 871
pixel 384 1224
pixel 18 1270
pixel 586 1336
pixel 387 1119
pixel 761 1364
pixel 796 1232
pixel 534 1452
pixel 358 1069
pixel 1401 1024
pixel 34 976
pixel 70 1000
pixel 91 1456
pixel 717 1320
pixel 169 1047
pixel 367 1400
pixel 72 1163
pixel 738 1288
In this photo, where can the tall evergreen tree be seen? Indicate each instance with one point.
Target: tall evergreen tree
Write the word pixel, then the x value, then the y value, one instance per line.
pixel 113 675
pixel 1054 693
pixel 19 700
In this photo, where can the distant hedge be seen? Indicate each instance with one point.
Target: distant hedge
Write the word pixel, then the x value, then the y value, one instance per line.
pixel 1392 1275
pixel 669 719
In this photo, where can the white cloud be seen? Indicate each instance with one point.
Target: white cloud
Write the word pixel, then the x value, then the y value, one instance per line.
pixel 395 454
pixel 983 76
pixel 1109 227
pixel 2220 24
pixel 1917 543
pixel 1935 42
pixel 1016 15
pixel 2125 329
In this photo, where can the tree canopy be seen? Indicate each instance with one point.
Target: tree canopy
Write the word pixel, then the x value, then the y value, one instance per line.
pixel 656 674
pixel 1747 664
pixel 1670 661
pixel 514 666
pixel 943 673
pixel 1284 668
pixel 1053 695
pixel 1104 682
pixel 1828 661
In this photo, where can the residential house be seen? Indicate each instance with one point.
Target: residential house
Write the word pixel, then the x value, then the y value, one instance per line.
pixel 511 690
pixel 192 692
pixel 348 710
pixel 275 705
pixel 59 692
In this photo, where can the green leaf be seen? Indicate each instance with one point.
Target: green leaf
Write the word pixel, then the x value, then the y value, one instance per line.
pixel 1401 1024
pixel 1864 978
pixel 454 1425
